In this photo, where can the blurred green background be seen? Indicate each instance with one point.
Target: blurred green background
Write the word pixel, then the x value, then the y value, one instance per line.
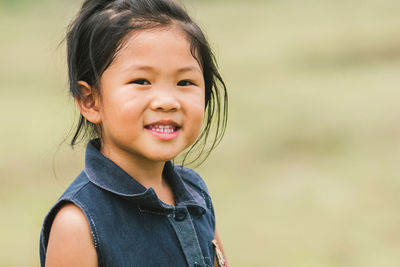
pixel 308 172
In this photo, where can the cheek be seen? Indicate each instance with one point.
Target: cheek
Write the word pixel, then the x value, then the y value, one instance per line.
pixel 196 118
pixel 120 108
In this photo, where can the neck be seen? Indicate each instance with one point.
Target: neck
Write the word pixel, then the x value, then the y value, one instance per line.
pixel 146 172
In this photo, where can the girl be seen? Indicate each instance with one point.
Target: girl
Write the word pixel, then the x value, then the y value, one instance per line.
pixel 143 77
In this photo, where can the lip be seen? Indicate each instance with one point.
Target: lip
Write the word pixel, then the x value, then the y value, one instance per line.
pixel 164 122
pixel 164 135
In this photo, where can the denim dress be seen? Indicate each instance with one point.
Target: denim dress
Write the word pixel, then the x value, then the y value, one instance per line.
pixel 129 224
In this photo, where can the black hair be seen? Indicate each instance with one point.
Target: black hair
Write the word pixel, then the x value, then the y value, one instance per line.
pixel 98 32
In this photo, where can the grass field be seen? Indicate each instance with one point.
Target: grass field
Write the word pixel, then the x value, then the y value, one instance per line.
pixel 308 172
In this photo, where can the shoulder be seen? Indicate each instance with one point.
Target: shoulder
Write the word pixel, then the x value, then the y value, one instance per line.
pixel 70 235
pixel 72 216
pixel 194 181
pixel 68 225
pixel 192 177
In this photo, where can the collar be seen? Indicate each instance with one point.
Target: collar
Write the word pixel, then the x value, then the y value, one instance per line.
pixel 107 175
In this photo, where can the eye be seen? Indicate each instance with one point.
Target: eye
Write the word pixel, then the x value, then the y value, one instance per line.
pixel 141 82
pixel 185 83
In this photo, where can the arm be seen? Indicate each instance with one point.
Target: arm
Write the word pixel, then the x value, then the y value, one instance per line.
pixel 70 240
pixel 218 239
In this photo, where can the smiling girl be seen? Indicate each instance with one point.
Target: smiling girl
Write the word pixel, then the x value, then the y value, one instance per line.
pixel 147 87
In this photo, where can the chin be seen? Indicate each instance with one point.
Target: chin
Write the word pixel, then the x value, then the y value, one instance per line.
pixel 164 153
pixel 163 157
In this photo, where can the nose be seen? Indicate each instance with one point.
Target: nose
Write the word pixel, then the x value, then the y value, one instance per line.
pixel 164 100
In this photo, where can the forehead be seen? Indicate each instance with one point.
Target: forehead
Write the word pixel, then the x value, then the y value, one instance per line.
pixel 152 46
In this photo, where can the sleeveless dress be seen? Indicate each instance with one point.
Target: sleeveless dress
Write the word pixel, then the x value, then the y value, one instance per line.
pixel 130 226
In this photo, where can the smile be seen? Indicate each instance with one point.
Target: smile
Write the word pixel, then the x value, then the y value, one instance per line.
pixel 164 130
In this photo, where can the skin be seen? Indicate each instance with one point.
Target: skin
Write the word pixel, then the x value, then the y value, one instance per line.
pixel 153 77
pixel 70 241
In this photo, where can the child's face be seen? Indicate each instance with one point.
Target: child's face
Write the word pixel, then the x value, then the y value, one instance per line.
pixel 152 97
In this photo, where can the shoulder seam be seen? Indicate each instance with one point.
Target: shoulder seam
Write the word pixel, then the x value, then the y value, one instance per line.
pixel 198 182
pixel 200 185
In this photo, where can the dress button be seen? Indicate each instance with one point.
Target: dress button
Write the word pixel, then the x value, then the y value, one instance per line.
pixel 196 265
pixel 180 215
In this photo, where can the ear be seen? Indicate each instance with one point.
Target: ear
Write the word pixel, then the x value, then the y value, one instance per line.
pixel 88 103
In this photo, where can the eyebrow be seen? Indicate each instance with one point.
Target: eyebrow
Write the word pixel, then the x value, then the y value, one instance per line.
pixel 188 68
pixel 150 68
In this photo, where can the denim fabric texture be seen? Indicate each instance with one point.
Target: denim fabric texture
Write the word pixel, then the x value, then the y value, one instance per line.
pixel 130 226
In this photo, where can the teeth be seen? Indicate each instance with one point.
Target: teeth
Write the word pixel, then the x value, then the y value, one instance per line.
pixel 162 128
